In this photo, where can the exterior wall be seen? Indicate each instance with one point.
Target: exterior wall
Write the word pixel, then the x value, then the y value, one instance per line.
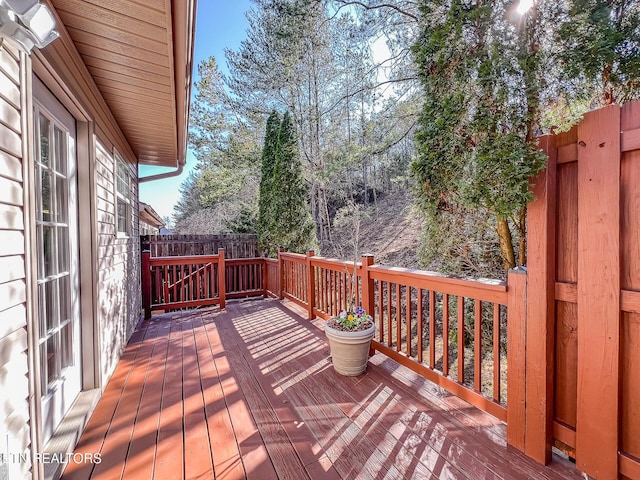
pixel 114 309
pixel 14 363
pixel 119 297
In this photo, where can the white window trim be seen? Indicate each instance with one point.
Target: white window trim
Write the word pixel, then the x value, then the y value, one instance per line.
pixel 118 197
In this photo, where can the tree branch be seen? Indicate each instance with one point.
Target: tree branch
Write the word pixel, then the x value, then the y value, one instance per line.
pixel 375 7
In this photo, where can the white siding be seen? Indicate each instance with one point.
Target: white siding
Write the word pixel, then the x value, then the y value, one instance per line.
pixel 119 297
pixel 14 371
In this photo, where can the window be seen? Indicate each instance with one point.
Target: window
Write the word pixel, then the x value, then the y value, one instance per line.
pixel 123 198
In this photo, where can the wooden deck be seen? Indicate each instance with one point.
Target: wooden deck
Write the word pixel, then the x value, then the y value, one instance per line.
pixel 250 393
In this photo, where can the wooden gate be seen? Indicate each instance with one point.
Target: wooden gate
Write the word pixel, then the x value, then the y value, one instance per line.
pixel 582 382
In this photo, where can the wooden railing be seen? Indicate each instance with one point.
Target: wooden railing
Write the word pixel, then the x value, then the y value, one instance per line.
pixel 173 283
pixel 451 331
pixel 170 283
pixel 244 277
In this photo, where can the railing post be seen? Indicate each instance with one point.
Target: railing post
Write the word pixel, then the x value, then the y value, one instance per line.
pixel 146 283
pixel 311 287
pixel 280 274
pixel 516 342
pixel 222 280
pixel 368 300
pixel 368 294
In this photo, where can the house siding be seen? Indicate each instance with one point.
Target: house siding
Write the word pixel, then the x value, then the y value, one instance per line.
pixel 119 300
pixel 15 432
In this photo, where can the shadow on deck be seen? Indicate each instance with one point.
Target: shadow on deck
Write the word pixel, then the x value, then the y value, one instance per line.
pixel 250 392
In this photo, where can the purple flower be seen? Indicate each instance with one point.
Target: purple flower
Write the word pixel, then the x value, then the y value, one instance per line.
pixel 359 310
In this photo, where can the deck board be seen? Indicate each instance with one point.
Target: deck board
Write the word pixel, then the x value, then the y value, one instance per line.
pixel 249 392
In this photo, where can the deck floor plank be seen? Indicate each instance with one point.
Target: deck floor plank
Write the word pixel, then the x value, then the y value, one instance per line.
pixel 101 422
pixel 255 458
pixel 227 462
pixel 197 450
pixel 249 392
pixel 140 458
pixel 283 455
pixel 169 459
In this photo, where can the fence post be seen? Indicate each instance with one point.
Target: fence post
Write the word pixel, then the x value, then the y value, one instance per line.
pixel 146 283
pixel 311 287
pixel 598 380
pixel 280 274
pixel 222 278
pixel 541 263
pixel 516 340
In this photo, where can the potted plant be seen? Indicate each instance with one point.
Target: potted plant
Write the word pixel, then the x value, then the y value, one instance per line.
pixel 351 332
pixel 349 336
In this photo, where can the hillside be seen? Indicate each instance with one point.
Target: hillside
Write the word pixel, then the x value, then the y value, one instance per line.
pixel 391 233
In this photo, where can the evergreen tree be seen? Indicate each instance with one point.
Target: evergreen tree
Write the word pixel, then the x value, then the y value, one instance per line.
pixel 601 49
pixel 476 145
pixel 293 227
pixel 266 214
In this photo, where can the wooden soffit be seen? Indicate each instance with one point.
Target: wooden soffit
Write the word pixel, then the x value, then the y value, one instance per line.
pixel 140 54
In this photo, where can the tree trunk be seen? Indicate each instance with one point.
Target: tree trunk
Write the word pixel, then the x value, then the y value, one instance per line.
pixel 506 244
pixel 522 230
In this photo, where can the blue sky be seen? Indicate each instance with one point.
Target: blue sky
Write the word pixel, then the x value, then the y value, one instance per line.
pixel 220 24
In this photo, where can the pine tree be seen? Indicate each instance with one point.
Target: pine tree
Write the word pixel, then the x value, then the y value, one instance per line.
pixel 266 214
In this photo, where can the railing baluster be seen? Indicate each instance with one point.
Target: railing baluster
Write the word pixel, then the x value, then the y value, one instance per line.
pixel 340 278
pixel 408 326
pixel 419 325
pixel 496 352
pixel 165 286
pixel 432 328
pixel 445 334
pixel 206 278
pixel 389 320
pixel 398 318
pixel 381 311
pixel 176 283
pixel 460 339
pixel 334 309
pixel 477 346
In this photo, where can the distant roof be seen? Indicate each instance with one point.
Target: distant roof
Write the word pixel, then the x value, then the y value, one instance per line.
pixel 149 216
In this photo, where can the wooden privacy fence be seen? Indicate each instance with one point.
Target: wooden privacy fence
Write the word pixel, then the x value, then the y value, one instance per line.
pixel 582 335
pixel 235 246
pixel 453 332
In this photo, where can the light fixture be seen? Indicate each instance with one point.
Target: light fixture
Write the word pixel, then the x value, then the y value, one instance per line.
pixel 27 22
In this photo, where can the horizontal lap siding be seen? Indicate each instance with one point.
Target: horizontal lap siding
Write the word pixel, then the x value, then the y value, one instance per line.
pixel 14 374
pixel 118 267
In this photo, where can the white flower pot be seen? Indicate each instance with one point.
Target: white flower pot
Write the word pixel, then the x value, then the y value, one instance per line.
pixel 349 350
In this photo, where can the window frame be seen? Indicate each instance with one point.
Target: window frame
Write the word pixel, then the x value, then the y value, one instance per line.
pixel 120 167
